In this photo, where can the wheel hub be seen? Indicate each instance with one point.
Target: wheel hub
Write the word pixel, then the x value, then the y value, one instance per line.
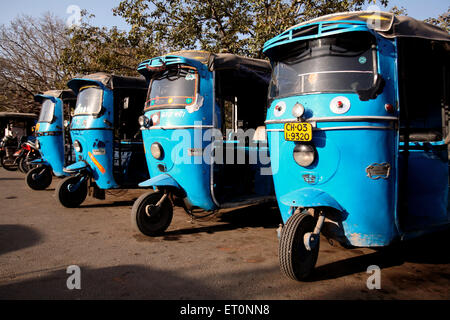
pixel 151 210
pixel 310 240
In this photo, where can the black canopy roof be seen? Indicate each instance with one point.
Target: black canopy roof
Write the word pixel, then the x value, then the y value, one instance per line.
pixel 61 94
pixel 231 66
pixel 389 25
pixel 110 81
pixel 222 61
pixel 17 116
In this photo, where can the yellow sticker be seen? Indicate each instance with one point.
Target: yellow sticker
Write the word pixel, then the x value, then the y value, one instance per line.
pixel 312 78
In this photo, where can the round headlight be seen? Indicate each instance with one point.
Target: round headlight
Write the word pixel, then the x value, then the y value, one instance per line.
pixel 157 151
pixel 77 146
pixel 144 121
pixel 141 121
pixel 38 145
pixel 304 154
pixel 298 110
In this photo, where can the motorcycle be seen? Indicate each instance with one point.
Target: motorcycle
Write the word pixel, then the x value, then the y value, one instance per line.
pixel 8 147
pixel 21 158
pixel 27 153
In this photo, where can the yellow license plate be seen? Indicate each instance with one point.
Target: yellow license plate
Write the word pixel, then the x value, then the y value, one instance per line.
pixel 301 131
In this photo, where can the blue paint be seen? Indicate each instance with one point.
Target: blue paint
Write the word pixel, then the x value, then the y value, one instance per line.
pixel 159 181
pixel 188 172
pixel 95 133
pixel 51 134
pixel 338 177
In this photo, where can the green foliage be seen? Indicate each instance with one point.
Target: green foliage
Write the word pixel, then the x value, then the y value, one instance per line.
pixel 236 26
pixel 41 54
pixel 399 11
pixel 96 49
pixel 443 21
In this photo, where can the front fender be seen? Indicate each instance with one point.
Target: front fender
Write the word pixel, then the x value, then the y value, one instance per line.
pixel 309 198
pixel 77 166
pixel 41 162
pixel 163 180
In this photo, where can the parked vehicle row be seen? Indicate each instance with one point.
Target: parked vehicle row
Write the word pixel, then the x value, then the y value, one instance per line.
pixel 346 129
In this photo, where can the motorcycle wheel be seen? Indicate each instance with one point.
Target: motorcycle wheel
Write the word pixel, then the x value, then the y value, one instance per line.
pixel 9 164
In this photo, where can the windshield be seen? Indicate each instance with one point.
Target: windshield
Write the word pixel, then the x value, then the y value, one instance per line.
pixel 46 115
pixel 174 87
pixel 342 63
pixel 89 101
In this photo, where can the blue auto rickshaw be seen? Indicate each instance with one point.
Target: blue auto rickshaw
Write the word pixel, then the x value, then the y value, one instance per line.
pixel 202 108
pixel 52 138
pixel 358 122
pixel 106 137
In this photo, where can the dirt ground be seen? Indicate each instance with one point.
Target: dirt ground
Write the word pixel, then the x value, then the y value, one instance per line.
pixel 231 257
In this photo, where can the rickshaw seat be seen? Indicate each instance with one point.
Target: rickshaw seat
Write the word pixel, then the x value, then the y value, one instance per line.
pixel 422 136
pixel 310 197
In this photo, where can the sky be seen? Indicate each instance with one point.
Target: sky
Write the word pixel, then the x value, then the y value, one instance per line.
pixel 102 9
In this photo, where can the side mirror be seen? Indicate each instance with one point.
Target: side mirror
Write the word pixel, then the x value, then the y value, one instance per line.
pixel 126 102
pixel 374 91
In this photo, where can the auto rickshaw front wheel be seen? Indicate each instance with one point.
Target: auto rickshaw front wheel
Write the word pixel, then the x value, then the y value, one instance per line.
pixel 296 261
pixel 39 178
pixel 71 191
pixel 152 213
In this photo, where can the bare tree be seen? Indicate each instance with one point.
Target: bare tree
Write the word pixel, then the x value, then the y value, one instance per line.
pixel 30 51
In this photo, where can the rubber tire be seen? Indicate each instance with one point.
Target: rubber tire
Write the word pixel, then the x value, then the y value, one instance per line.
pixel 24 167
pixel 296 262
pixel 25 164
pixel 71 199
pixel 8 167
pixel 151 226
pixel 43 182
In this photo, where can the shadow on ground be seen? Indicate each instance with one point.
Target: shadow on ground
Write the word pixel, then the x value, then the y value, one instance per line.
pixel 123 203
pixel 16 237
pixel 247 217
pixel 429 249
pixel 124 282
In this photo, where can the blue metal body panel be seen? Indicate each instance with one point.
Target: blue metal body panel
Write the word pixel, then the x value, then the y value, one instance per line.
pixel 427 186
pixel 95 133
pixel 310 197
pixel 51 138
